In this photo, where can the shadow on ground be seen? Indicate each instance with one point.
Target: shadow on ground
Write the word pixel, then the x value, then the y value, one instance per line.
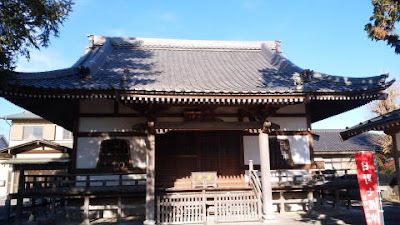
pixel 327 215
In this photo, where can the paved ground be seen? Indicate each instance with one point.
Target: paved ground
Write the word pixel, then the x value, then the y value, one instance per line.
pixel 324 216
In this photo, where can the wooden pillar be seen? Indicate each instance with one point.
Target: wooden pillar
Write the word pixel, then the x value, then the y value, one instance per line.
pixel 336 203
pixel 7 210
pixel 20 200
pixel 53 205
pixel 150 181
pixel 281 202
pixel 310 197
pixel 348 197
pixel 119 210
pixel 86 205
pixel 18 212
pixel 267 206
pixel 395 154
pixel 32 215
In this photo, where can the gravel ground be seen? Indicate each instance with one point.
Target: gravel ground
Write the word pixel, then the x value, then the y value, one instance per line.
pixel 326 215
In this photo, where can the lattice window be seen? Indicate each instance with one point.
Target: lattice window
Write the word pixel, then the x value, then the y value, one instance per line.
pixel 114 153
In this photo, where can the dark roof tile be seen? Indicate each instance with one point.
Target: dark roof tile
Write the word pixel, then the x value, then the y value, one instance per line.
pixel 330 141
pixel 191 66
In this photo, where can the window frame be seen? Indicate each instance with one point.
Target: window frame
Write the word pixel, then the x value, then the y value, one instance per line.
pixel 31 132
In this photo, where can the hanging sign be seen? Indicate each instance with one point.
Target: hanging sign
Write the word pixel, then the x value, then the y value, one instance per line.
pixel 367 181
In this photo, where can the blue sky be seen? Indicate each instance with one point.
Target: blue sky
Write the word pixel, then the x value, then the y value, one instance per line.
pixel 325 36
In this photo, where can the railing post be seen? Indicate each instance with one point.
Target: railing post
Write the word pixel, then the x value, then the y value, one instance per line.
pixel 251 166
pixel 86 206
pixel 87 180
pixel 7 210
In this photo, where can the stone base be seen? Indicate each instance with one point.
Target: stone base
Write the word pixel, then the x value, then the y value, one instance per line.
pixel 268 218
pixel 149 222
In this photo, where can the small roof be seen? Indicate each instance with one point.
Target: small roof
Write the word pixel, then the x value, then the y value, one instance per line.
pixel 3 142
pixel 330 141
pixel 21 116
pixel 383 122
pixel 17 161
pixel 34 144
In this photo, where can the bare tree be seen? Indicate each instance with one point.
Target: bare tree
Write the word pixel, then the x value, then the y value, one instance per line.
pixel 381 107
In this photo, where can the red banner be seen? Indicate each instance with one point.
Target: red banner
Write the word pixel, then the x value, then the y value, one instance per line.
pixel 367 181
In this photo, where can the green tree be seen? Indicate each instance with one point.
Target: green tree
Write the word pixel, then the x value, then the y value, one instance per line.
pixel 27 24
pixel 383 22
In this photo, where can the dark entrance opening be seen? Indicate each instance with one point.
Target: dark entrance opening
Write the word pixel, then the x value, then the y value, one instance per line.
pixel 180 153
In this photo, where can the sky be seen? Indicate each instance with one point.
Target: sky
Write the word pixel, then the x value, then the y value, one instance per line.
pixel 325 36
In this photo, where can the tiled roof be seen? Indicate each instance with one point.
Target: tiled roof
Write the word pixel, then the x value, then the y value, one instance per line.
pixel 34 144
pixel 20 116
pixel 3 142
pixel 330 141
pixel 383 122
pixel 188 66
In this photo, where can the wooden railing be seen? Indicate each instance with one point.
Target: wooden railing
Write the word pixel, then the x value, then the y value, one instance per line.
pixel 176 208
pixel 32 182
pixel 254 181
pixel 199 207
pixel 237 207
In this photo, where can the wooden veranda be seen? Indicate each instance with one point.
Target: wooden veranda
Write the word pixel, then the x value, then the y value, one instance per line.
pixel 173 205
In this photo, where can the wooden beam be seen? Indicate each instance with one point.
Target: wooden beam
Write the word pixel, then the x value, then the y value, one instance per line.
pixel 198 125
pixel 110 134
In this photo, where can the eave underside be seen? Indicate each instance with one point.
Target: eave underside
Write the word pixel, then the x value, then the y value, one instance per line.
pixel 59 111
pixel 63 108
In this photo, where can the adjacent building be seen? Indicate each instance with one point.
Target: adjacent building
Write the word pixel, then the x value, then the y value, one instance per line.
pixel 332 153
pixel 35 143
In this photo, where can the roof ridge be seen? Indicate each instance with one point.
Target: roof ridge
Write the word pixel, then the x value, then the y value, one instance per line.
pixel 182 43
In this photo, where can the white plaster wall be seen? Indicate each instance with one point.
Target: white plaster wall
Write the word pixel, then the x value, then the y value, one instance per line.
pixel 96 106
pixel 290 123
pixel 108 124
pixel 297 108
pixel 299 147
pixel 88 149
pixel 251 149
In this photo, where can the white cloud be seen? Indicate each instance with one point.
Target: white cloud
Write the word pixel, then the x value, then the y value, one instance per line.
pixel 251 4
pixel 116 33
pixel 167 16
pixel 42 61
